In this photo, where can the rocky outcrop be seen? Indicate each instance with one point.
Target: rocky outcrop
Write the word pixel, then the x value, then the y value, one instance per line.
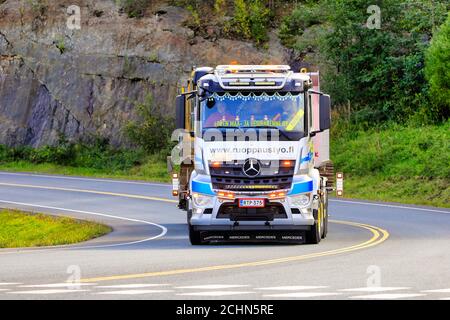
pixel 54 80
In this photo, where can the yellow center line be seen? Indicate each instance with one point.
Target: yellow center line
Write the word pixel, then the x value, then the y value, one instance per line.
pixel 378 236
pixel 123 195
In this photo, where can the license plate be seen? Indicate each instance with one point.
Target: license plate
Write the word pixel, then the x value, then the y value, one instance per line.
pixel 251 203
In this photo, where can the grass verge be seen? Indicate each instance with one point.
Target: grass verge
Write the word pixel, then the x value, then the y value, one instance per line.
pixel 397 163
pixel 20 229
pixel 152 170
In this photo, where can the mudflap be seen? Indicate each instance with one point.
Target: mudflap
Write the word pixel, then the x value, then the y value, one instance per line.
pixel 276 236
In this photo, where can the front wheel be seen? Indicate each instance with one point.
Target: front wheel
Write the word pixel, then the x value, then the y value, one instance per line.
pixel 194 236
pixel 315 234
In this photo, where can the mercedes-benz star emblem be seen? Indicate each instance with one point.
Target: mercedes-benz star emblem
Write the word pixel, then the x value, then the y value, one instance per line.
pixel 251 167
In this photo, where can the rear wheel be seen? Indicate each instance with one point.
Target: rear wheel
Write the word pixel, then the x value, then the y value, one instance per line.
pixel 325 216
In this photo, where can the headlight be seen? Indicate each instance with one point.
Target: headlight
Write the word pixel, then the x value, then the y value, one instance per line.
pixel 201 200
pixel 301 200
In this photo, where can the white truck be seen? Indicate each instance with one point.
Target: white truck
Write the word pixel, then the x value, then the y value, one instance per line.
pixel 255 163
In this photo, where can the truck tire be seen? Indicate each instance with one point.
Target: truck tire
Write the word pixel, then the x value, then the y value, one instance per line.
pixel 313 236
pixel 189 216
pixel 325 217
pixel 194 236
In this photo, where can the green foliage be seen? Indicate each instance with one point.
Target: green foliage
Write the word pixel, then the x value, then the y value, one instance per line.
pixel 437 70
pixel 96 155
pixel 240 24
pixel 134 8
pixel 394 151
pixel 220 7
pixel 303 16
pixel 153 130
pixel 196 21
pixel 380 72
pixel 61 45
pixel 394 163
pixel 259 18
pixel 250 20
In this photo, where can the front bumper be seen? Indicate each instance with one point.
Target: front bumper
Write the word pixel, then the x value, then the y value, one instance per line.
pixel 293 218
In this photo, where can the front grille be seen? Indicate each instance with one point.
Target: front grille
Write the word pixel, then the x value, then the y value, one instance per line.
pixel 232 211
pixel 230 176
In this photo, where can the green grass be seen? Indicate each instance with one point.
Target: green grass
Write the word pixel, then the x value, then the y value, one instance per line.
pixel 152 170
pixel 400 164
pixel 20 229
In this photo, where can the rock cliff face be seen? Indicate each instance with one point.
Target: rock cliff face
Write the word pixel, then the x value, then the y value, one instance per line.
pixel 54 80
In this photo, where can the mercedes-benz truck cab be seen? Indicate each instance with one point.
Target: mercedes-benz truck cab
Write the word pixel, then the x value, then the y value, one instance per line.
pixel 258 142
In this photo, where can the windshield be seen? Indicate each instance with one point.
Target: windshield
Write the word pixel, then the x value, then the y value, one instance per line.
pixel 282 111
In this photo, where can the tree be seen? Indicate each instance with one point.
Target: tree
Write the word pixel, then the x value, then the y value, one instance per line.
pixel 379 71
pixel 437 71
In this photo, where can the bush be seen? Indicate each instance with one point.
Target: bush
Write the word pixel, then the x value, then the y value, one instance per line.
pixel 153 131
pixel 259 18
pixel 437 70
pixel 303 16
pixel 134 8
pixel 250 21
pixel 95 155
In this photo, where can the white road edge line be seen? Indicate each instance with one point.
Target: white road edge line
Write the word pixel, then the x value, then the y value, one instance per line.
pixel 84 179
pixel 389 206
pixel 132 292
pixel 168 185
pixel 162 234
pixel 55 291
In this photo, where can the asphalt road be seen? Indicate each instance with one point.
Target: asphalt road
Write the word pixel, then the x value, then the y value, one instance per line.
pixel 373 250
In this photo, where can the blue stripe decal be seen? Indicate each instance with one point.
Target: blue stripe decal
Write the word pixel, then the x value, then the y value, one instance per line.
pixel 301 187
pixel 202 187
pixel 307 158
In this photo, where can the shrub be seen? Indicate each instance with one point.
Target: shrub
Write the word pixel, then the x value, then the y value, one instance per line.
pixel 437 70
pixel 303 16
pixel 153 129
pixel 134 8
pixel 98 154
pixel 259 21
pixel 250 21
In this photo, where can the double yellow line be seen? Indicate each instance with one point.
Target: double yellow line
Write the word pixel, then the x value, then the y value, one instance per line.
pixel 378 236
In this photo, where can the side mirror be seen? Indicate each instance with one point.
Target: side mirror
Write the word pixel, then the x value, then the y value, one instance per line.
pixel 180 107
pixel 325 112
